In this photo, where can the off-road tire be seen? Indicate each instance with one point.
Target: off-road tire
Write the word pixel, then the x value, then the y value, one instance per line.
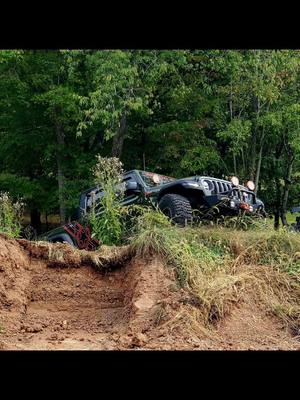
pixel 176 207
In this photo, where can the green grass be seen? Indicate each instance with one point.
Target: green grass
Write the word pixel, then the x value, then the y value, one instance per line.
pixel 291 218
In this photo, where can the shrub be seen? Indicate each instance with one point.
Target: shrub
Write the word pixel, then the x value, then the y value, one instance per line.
pixel 106 219
pixel 10 215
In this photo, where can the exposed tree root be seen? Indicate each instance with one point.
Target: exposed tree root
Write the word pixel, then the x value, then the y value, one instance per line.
pixel 63 255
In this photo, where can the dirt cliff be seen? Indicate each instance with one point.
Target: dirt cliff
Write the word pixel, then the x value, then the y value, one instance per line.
pixel 55 297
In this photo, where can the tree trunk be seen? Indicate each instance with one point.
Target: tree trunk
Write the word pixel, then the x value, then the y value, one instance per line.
pixel 243 160
pixel 35 219
pixel 254 142
pixel 286 189
pixel 257 175
pixel 143 148
pixel 144 161
pixel 234 164
pixel 276 220
pixel 231 119
pixel 60 174
pixel 283 218
pixel 277 207
pixel 258 169
pixel 118 139
pixel 278 203
pixel 253 159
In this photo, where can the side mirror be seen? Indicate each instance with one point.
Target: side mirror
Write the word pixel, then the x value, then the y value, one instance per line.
pixel 131 185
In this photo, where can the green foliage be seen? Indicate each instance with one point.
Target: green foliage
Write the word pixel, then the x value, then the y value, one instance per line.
pixel 214 112
pixel 242 222
pixel 108 172
pixel 106 219
pixel 237 131
pixel 10 215
pixel 123 82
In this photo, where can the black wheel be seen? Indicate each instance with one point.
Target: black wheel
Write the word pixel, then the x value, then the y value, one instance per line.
pixel 176 207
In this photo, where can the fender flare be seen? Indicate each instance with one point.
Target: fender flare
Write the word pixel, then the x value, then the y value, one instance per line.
pixel 181 188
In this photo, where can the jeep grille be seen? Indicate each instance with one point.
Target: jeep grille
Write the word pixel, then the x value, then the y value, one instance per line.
pixel 218 186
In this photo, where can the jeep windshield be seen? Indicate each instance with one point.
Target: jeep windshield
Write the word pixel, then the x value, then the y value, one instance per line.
pixel 151 179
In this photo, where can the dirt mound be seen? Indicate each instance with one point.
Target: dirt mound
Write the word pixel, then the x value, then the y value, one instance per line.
pixel 99 305
pixel 55 297
pixel 249 328
pixel 13 262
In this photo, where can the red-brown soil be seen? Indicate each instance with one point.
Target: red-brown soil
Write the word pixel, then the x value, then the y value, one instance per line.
pixel 47 302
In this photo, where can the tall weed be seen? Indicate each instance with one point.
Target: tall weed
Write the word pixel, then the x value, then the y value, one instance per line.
pixel 106 217
pixel 10 215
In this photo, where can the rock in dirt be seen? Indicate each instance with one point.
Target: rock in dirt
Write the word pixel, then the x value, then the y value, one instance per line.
pixel 33 328
pixel 139 340
pixel 144 303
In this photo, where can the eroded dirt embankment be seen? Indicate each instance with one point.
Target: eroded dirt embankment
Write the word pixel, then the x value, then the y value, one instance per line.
pixel 52 297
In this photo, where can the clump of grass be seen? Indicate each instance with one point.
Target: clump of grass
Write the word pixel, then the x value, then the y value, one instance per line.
pixel 277 249
pixel 279 292
pixel 280 248
pixel 10 215
pixel 156 235
pixel 242 222
pixel 271 261
pixel 219 266
pixel 203 270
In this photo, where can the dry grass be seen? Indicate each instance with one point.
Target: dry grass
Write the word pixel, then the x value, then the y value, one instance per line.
pixel 63 255
pixel 219 267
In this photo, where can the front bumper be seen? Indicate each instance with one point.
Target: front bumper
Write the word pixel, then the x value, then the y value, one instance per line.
pixel 237 205
pixel 233 205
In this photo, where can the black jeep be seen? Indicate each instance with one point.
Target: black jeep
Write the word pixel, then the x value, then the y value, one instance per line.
pixel 179 199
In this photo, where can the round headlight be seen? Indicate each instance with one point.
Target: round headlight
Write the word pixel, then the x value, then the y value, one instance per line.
pixel 235 181
pixel 155 178
pixel 205 185
pixel 250 185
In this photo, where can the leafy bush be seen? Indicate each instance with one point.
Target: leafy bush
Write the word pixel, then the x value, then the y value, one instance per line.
pixel 10 215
